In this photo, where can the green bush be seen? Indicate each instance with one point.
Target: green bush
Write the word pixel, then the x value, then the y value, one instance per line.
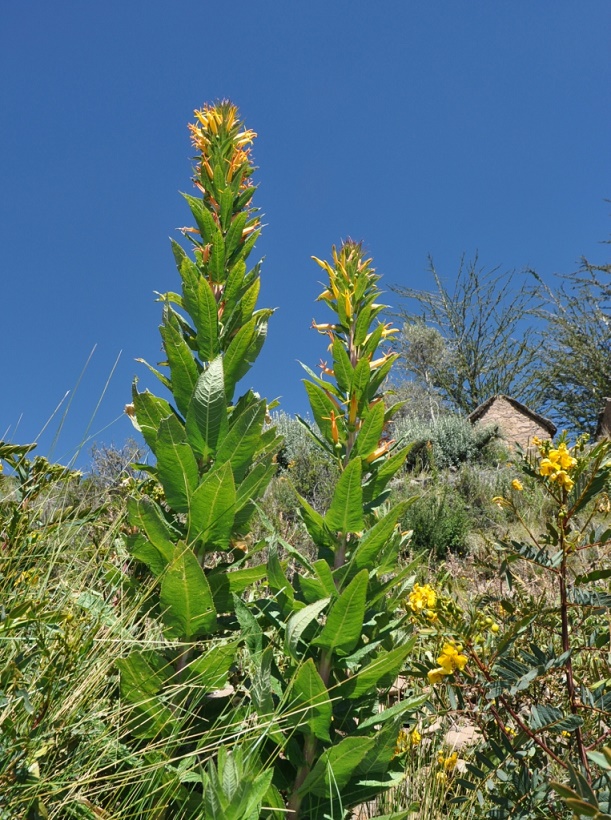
pixel 440 523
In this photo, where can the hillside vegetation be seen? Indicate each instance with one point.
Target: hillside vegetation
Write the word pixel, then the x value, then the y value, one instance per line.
pixel 379 611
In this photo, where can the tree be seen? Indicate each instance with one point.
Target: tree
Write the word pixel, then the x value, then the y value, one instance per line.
pixel 472 342
pixel 575 373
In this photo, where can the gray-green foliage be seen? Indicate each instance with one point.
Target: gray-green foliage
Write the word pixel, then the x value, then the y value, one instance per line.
pixel 447 441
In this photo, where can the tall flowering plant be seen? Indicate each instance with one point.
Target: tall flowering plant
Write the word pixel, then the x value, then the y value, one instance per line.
pixel 213 459
pixel 338 619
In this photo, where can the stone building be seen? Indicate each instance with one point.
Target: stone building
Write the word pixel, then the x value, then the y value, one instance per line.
pixel 603 430
pixel 517 423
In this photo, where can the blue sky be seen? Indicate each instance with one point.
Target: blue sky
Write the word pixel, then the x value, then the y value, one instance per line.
pixel 419 127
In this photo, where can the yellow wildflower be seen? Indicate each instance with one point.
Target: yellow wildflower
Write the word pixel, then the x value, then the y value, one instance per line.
pixel 436 675
pixel 547 467
pixel 563 479
pixel 448 763
pixel 517 485
pixel 415 737
pixel 450 659
pixel 403 742
pixel 422 598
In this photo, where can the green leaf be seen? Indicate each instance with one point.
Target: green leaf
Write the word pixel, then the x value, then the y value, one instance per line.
pixel 341 366
pixel 298 623
pixel 176 465
pixel 209 671
pixel 242 353
pixel 180 359
pixel 241 442
pixel 346 511
pixel 234 234
pixel 314 524
pixel 250 489
pixel 226 204
pixel 381 672
pixel 207 414
pixel 186 599
pixel 147 515
pixel 335 766
pixel 143 674
pixel 377 537
pixel 360 379
pixel 212 508
pixel 322 408
pixel 278 582
pixel 224 583
pixel 344 625
pixel 403 707
pixel 371 431
pixel 149 411
pixel 199 301
pixel 309 703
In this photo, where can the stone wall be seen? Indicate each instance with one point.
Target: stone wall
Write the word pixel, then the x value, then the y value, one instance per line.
pixel 516 427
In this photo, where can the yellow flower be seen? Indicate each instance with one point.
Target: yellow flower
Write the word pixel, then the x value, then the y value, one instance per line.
pixel 422 598
pixel 436 675
pixel 403 742
pixel 517 485
pixel 415 737
pixel 450 659
pixel 563 479
pixel 547 467
pixel 563 457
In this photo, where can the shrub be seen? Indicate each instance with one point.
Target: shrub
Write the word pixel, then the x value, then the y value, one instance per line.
pixel 446 442
pixel 440 523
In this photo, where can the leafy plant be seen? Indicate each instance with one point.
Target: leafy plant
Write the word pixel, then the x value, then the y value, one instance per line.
pixel 338 637
pixel 532 674
pixel 213 458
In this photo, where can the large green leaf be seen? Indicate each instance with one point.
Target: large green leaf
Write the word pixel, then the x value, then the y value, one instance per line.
pixel 240 444
pixel 143 674
pixel 225 583
pixel 176 465
pixel 371 431
pixel 341 366
pixel 380 672
pixel 315 524
pixel 298 623
pixel 335 766
pixel 147 514
pixel 346 511
pixel 250 489
pixel 207 414
pixel 186 599
pixel 149 412
pixel 212 508
pixel 376 538
pixel 199 301
pixel 309 703
pixel 322 408
pixel 242 352
pixel 209 671
pixel 344 625
pixel 183 369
